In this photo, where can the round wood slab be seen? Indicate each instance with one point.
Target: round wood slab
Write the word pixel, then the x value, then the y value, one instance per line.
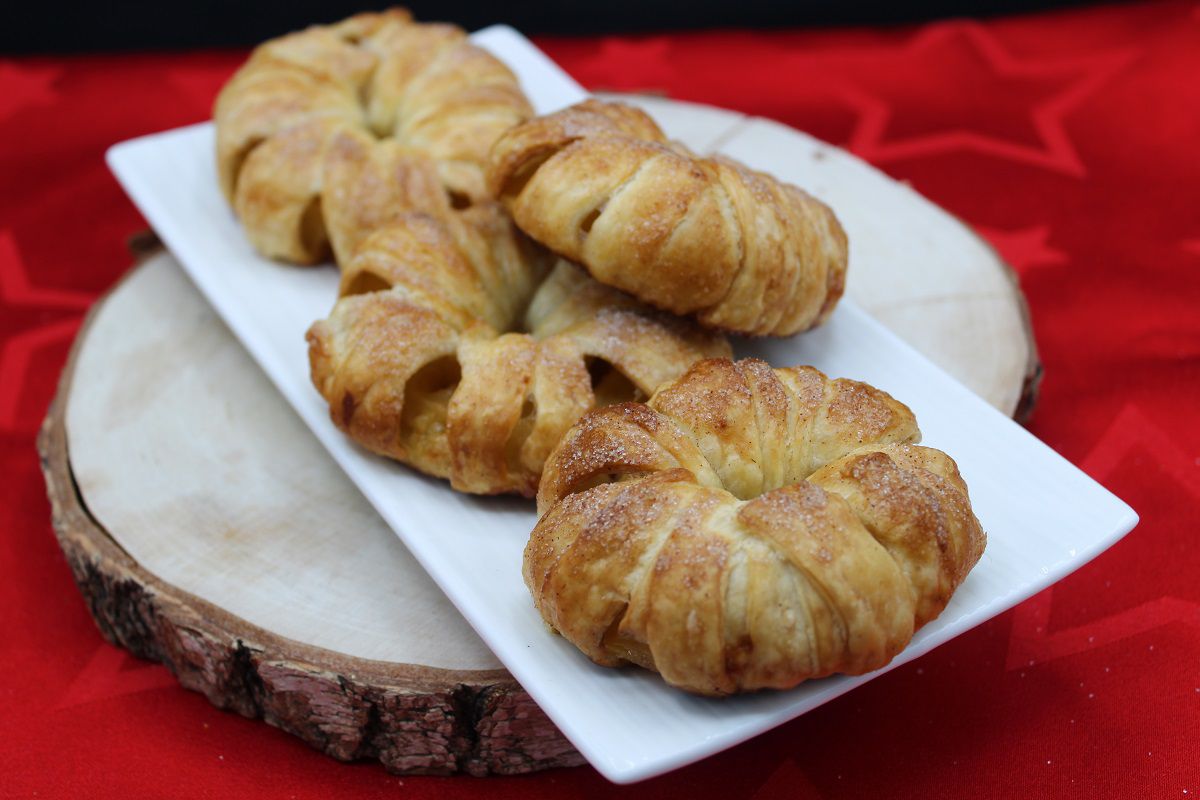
pixel 207 529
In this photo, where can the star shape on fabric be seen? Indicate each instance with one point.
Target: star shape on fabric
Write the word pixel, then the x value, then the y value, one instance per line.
pixel 628 65
pixel 24 86
pixel 1023 248
pixel 112 672
pixel 1031 641
pixel 973 95
pixel 788 780
pixel 63 307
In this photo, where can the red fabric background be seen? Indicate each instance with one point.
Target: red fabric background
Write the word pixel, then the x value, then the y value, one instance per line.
pixel 1071 140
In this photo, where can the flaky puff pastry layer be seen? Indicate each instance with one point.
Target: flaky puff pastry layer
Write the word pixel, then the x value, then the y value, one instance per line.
pixel 463 349
pixel 326 134
pixel 599 184
pixel 749 528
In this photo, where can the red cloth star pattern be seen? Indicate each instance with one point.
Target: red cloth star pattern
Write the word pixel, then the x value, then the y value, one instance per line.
pixel 1069 139
pixel 1024 248
pixel 21 301
pixel 621 65
pixel 111 672
pixel 23 87
pixel 976 97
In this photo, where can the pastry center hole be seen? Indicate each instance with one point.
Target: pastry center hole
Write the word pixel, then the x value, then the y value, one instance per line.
pixel 521 176
pixel 426 398
pixel 366 282
pixel 585 224
pixel 521 431
pixel 625 647
pixel 313 237
pixel 609 384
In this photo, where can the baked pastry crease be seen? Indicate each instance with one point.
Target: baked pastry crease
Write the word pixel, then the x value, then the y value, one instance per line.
pixel 600 184
pixel 463 349
pixel 749 528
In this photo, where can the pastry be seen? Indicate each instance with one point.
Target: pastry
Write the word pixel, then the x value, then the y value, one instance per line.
pixel 598 183
pixel 328 133
pixel 461 348
pixel 749 528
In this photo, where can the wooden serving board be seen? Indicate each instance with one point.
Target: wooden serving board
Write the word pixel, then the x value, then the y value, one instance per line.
pixel 207 529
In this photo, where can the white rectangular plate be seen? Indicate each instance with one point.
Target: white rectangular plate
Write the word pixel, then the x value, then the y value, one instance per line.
pixel 1044 517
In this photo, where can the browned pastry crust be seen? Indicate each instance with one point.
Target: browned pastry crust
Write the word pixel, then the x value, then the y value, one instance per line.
pixel 459 348
pixel 599 184
pixel 749 528
pixel 327 134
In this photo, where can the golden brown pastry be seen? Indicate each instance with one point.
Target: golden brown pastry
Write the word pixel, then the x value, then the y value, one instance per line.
pixel 459 347
pixel 599 184
pixel 326 134
pixel 749 528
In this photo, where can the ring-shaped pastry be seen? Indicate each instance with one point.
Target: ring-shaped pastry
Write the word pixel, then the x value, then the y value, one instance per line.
pixel 749 528
pixel 463 349
pixel 599 184
pixel 329 133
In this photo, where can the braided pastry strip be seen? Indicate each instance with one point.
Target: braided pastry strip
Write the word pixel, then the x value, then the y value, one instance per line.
pixel 328 133
pixel 599 184
pixel 419 362
pixel 749 528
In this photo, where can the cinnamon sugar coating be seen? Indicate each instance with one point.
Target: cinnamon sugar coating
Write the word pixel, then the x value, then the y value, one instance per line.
pixel 329 133
pixel 600 184
pixel 749 528
pixel 463 349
